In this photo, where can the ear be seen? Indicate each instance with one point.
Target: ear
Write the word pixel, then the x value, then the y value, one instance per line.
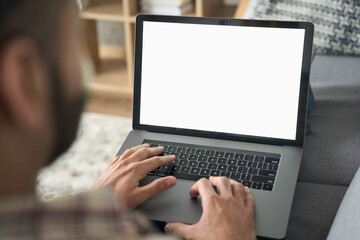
pixel 22 83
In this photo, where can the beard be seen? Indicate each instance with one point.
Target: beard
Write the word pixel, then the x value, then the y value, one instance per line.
pixel 66 114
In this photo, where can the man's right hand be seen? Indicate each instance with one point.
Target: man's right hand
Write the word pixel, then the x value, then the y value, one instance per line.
pixel 227 215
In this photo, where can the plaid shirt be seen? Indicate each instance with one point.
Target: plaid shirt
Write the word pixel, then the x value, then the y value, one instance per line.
pixel 94 215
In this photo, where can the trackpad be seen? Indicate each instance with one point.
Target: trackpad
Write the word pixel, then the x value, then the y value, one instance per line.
pixel 173 205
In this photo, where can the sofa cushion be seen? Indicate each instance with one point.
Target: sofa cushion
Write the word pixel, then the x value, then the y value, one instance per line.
pixel 331 151
pixel 335 77
pixel 347 221
pixel 314 208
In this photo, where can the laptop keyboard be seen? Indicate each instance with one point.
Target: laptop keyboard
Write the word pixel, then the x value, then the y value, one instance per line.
pixel 256 170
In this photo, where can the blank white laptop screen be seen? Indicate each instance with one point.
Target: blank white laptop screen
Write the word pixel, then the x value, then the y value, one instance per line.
pixel 228 79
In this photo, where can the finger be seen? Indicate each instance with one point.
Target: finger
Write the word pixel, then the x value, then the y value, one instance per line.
pixel 180 229
pixel 130 151
pixel 114 161
pixel 203 188
pixel 145 153
pixel 155 187
pixel 249 198
pixel 154 162
pixel 223 185
pixel 238 191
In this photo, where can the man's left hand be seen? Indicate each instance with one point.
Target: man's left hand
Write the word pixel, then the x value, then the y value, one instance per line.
pixel 125 172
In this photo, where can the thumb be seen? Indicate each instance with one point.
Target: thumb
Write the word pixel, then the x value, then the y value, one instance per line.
pixel 180 229
pixel 155 187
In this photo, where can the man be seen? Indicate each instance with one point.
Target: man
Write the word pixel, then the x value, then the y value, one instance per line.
pixel 41 98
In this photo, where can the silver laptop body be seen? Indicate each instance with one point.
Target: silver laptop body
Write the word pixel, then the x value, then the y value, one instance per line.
pixel 224 85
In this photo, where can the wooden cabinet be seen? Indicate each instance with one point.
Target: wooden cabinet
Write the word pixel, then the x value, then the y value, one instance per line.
pixel 116 74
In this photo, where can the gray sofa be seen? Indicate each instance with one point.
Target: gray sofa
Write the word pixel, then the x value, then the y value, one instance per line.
pixel 331 153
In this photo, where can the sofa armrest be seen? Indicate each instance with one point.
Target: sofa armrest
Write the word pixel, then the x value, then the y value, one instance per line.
pixel 347 220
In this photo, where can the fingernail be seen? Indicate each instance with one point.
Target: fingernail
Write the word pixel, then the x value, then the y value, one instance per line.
pixel 246 189
pixel 168 227
pixel 170 182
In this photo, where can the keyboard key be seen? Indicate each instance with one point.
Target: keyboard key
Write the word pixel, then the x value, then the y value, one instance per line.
pixel 152 173
pixel 256 185
pixel 193 177
pixel 272 160
pixel 262 165
pixel 263 179
pixel 268 187
pixel 232 168
pixel 212 160
pixel 202 159
pixel 215 173
pixel 166 167
pixel 184 170
pixel 253 171
pixel 273 166
pixel 212 166
pixel 229 155
pixel 202 165
pixel 175 168
pixel 246 183
pixel 242 163
pixel 222 161
pixel 165 148
pixel 154 145
pixel 222 167
pixel 232 162
pixel 183 156
pixel 190 151
pixel 209 153
pixel 192 164
pixel 267 173
pixel 200 152
pixel 239 156
pixel 249 157
pixel 219 154
pixel 242 170
pixel 193 157
pixel 172 149
pixel 252 164
pixel 183 163
pixel 181 150
pixel 164 170
pixel 245 177
pixel 259 159
pixel 235 176
pixel 205 172
pixel 226 174
pixel 195 171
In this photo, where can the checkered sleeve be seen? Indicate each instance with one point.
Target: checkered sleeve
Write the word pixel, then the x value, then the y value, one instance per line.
pixel 94 215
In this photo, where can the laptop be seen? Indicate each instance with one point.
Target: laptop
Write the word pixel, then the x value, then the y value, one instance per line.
pixel 228 97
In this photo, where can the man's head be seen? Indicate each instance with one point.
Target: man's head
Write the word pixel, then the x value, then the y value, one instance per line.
pixel 41 92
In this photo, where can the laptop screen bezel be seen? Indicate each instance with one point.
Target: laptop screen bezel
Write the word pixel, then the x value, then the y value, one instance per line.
pixel 304 82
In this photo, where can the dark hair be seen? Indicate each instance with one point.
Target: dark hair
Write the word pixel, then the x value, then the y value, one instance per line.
pixel 38 20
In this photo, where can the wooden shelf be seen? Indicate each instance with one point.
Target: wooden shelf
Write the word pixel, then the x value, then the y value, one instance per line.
pixel 225 11
pixel 112 77
pixel 116 75
pixel 111 10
